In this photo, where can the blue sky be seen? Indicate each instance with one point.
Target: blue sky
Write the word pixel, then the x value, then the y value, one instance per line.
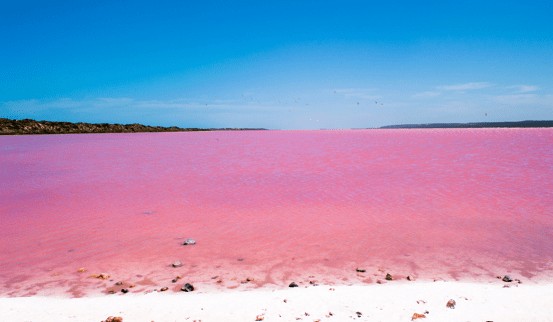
pixel 278 64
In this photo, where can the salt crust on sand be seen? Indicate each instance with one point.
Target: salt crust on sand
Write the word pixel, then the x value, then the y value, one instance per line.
pixel 387 302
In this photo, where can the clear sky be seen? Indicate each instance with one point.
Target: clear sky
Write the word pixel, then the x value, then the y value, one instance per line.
pixel 276 64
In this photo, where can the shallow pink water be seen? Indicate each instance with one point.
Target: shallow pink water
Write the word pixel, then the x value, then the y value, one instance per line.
pixel 274 206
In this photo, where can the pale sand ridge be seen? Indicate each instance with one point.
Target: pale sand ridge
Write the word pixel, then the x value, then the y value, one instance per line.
pixel 387 302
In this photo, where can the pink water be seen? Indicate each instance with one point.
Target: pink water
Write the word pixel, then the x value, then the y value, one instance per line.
pixel 274 206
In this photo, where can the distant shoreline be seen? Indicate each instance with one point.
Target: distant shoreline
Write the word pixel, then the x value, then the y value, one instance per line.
pixel 471 125
pixel 29 126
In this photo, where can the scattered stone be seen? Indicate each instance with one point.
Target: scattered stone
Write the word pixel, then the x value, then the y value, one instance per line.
pixel 176 264
pixel 101 276
pixel 409 278
pixel 240 259
pixel 124 291
pixel 285 301
pixel 81 270
pixel 421 301
pixel 359 314
pixel 417 316
pixel 507 279
pixel 119 283
pixel 187 287
pixel 379 282
pixel 163 289
pixel 174 280
pixel 189 241
pixel 388 277
pixel 259 318
pixel 113 319
pixel 518 281
pixel 131 285
pixel 247 280
pixel 360 270
pixel 450 304
pixel 306 314
pixel 293 284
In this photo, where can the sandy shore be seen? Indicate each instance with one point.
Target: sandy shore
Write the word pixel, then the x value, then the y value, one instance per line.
pixel 386 302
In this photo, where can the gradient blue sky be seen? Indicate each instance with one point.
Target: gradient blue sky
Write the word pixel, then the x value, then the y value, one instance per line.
pixel 277 64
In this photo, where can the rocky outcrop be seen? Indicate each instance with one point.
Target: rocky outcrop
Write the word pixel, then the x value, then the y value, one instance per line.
pixel 28 126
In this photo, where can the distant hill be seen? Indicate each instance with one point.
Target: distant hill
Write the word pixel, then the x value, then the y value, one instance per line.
pixel 471 125
pixel 28 126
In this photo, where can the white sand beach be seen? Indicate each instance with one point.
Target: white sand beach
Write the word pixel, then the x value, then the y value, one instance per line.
pixel 393 301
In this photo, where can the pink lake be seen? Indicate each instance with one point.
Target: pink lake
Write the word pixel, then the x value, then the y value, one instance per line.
pixel 274 207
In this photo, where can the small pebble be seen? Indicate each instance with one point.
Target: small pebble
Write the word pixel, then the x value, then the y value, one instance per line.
pixel 189 241
pixel 417 316
pixel 360 270
pixel 124 290
pixel 507 279
pixel 176 264
pixel 187 287
pixel 293 284
pixel 163 289
pixel 450 304
pixel 388 277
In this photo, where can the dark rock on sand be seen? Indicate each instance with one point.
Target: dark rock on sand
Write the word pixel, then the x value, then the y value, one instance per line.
pixel 450 304
pixel 176 264
pixel 124 290
pixel 293 284
pixel 359 314
pixel 189 241
pixel 389 277
pixel 507 279
pixel 163 289
pixel 360 270
pixel 187 287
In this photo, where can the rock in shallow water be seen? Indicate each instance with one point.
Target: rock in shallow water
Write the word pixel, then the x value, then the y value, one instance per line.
pixel 507 279
pixel 187 287
pixel 293 284
pixel 189 241
pixel 176 264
